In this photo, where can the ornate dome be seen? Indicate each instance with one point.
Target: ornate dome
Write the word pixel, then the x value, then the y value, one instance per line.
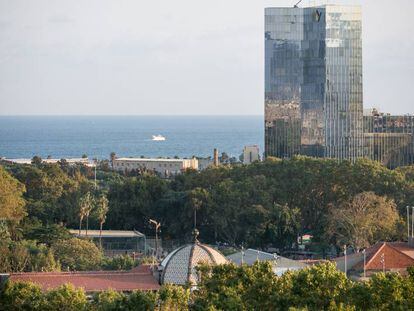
pixel 179 267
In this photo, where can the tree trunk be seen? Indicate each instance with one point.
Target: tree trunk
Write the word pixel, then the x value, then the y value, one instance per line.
pixel 87 224
pixel 80 225
pixel 100 233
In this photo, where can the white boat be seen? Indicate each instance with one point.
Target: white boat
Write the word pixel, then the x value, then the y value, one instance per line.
pixel 158 137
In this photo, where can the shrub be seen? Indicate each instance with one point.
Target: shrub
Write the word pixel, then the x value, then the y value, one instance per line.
pixel 174 297
pixel 140 301
pixel 123 262
pixel 147 260
pixel 109 300
pixel 65 298
pixel 21 296
pixel 78 254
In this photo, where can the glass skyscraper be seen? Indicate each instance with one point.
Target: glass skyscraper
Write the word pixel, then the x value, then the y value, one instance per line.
pixel 313 82
pixel 389 139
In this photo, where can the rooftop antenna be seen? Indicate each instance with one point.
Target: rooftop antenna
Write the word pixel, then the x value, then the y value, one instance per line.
pixel 296 5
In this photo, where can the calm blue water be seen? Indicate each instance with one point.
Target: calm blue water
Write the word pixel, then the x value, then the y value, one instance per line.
pixel 97 136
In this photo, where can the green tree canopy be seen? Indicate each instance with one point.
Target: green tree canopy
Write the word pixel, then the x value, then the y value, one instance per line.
pixel 364 220
pixel 77 254
pixel 11 197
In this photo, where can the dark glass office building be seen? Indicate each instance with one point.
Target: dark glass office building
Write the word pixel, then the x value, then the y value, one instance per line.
pixel 388 138
pixel 313 82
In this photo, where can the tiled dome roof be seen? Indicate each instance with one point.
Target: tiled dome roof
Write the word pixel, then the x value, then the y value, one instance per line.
pixel 179 266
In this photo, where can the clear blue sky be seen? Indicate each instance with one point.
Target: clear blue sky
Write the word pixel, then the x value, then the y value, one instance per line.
pixel 172 56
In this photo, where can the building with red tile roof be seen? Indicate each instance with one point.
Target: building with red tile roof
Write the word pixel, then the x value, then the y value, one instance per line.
pixel 388 256
pixel 140 278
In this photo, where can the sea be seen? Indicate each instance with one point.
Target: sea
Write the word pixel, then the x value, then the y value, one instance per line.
pixel 127 136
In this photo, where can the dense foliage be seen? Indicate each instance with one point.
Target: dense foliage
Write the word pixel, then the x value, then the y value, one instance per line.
pixel 230 287
pixel 262 204
pixel 20 296
pixel 11 201
pixel 266 204
pixel 320 287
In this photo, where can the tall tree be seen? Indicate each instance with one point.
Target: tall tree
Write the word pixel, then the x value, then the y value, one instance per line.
pixel 85 208
pixel 364 220
pixel 197 197
pixel 11 197
pixel 102 208
pixel 36 160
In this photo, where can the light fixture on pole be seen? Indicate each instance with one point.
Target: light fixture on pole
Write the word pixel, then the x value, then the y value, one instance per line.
pixel 157 226
pixel 96 163
pixel 365 262
pixel 408 224
pixel 346 268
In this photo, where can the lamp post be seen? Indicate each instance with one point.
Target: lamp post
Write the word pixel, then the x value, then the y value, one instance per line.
pixel 96 163
pixel 412 222
pixel 383 262
pixel 408 222
pixel 365 260
pixel 157 226
pixel 346 268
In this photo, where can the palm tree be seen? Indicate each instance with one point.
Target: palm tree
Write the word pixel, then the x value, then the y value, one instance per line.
pixel 82 204
pixel 85 208
pixel 101 211
pixel 198 198
pixel 90 206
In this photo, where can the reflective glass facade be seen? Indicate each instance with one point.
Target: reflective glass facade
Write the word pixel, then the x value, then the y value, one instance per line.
pixel 389 139
pixel 313 82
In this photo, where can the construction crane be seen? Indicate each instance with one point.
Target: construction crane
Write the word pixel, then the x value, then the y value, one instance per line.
pixel 296 5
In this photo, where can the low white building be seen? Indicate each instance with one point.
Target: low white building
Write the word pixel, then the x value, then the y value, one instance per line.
pixel 280 264
pixel 204 163
pixel 251 154
pixel 163 167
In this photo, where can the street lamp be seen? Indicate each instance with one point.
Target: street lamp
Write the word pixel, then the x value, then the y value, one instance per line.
pixel 412 221
pixel 365 260
pixel 408 223
pixel 157 226
pixel 383 262
pixel 346 268
pixel 96 163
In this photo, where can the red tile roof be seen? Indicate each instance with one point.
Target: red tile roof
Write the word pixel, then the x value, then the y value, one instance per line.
pixel 397 256
pixel 392 256
pixel 404 248
pixel 139 278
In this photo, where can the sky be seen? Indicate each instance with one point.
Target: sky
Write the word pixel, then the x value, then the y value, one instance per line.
pixel 172 57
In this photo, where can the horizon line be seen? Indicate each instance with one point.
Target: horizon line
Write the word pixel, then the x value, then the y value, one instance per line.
pixel 131 115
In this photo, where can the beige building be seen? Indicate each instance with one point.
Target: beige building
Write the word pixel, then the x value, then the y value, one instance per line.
pixel 204 163
pixel 251 154
pixel 163 167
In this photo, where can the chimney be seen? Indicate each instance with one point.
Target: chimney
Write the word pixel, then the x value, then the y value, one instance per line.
pixel 215 157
